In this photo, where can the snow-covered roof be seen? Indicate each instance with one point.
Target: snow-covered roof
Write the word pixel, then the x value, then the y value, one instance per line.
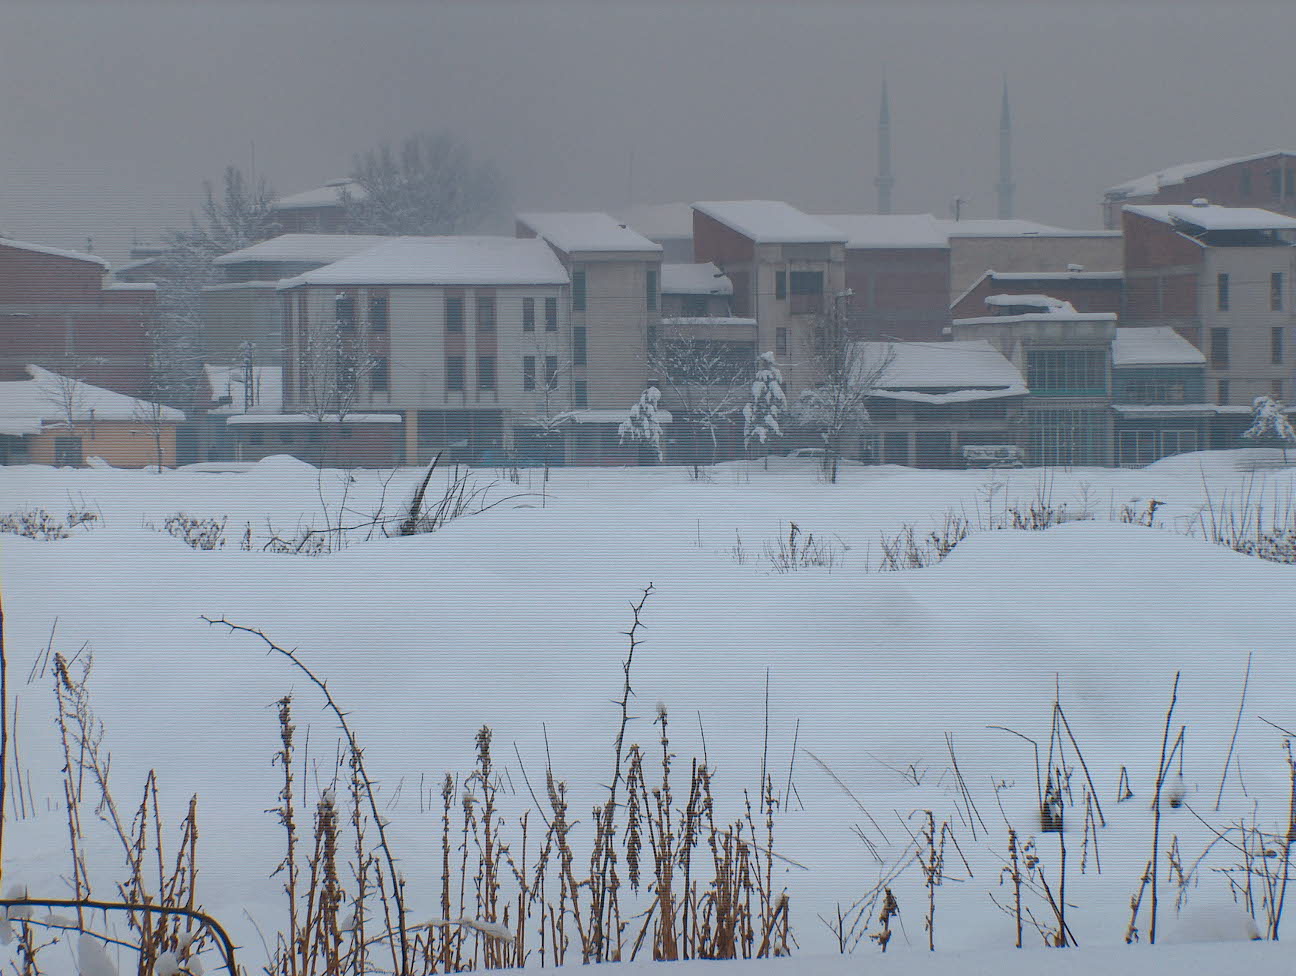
pixel 967 365
pixel 865 231
pixel 1013 228
pixel 328 195
pixel 49 397
pixel 131 286
pixel 1062 312
pixel 1034 301
pixel 242 286
pixel 1213 217
pixel 229 381
pixel 297 419
pixel 771 222
pixel 1154 346
pixel 57 252
pixel 660 221
pixel 136 264
pixel 1175 175
pixel 1171 409
pixel 694 279
pixel 451 260
pixel 706 320
pixel 1054 275
pixel 303 248
pixel 586 231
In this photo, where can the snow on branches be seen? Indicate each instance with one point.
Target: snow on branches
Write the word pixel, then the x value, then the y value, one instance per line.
pixel 768 401
pixel 1269 422
pixel 643 426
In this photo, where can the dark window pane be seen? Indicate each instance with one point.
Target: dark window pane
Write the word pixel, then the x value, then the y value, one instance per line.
pixel 551 315
pixel 454 313
pixel 377 311
pixel 528 372
pixel 455 373
pixel 528 315
pixel 485 372
pixel 578 346
pixel 578 291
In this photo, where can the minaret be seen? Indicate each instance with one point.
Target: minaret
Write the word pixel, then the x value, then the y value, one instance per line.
pixel 1005 187
pixel 885 181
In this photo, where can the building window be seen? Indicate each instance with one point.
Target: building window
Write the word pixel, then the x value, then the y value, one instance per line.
pixel 781 342
pixel 807 292
pixel 581 393
pixel 1219 348
pixel 380 378
pixel 486 312
pixel 1067 372
pixel 1276 291
pixel 455 374
pixel 1223 397
pixel 485 372
pixel 880 409
pixel 344 311
pixel 1276 346
pixel 528 372
pixel 528 315
pixel 1066 436
pixel 1154 391
pixel 1222 292
pixel 551 315
pixel 377 311
pixel 578 346
pixel 551 372
pixel 578 290
pixel 694 305
pixel 454 313
pixel 780 285
pixel 741 292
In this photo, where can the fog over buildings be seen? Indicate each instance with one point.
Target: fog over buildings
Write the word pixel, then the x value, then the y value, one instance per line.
pixel 115 112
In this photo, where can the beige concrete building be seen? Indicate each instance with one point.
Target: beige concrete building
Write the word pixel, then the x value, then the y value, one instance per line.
pixel 978 246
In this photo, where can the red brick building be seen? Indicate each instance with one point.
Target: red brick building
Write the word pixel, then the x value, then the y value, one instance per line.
pixel 57 311
pixel 1265 180
pixel 1086 291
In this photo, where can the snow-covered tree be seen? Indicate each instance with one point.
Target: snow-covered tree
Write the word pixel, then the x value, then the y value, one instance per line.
pixel 1269 422
pixel 707 379
pixel 768 402
pixel 643 425
pixel 847 371
pixel 431 185
pixel 236 218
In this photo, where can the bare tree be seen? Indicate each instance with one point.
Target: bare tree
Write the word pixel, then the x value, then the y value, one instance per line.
pixel 431 185
pixel 67 395
pixel 334 365
pixel 708 378
pixel 846 373
pixel 552 413
pixel 154 418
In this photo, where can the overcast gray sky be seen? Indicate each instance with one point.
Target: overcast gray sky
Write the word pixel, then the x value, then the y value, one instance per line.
pixel 114 112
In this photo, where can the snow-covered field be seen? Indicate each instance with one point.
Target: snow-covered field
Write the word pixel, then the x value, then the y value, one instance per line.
pixel 514 619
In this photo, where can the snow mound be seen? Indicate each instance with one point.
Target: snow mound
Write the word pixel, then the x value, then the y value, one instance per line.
pixel 279 465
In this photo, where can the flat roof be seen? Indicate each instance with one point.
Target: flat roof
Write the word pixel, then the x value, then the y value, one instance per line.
pixel 57 252
pixel 1154 346
pixel 878 231
pixel 303 248
pixel 1212 217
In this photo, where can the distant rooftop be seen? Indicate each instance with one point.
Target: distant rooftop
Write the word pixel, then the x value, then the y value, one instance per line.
pixel 1048 309
pixel 328 195
pixel 1154 346
pixel 864 231
pixel 1175 175
pixel 771 222
pixel 303 248
pixel 1033 301
pixel 47 398
pixel 1210 217
pixel 936 372
pixel 1014 228
pixel 586 231
pixel 57 252
pixel 450 260
pixel 694 279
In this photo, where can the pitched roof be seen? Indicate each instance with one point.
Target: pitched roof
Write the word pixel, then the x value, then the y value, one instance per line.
pixel 49 397
pixel 450 260
pixel 889 230
pixel 586 231
pixel 771 222
pixel 658 221
pixel 1211 217
pixel 919 365
pixel 1154 346
pixel 1175 175
pixel 303 248
pixel 694 279
pixel 57 252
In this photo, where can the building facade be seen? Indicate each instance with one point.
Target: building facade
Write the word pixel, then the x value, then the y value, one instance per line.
pixel 1266 180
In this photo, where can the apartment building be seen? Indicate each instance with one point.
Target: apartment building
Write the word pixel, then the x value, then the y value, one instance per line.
pixel 787 269
pixel 1222 278
pixel 463 339
pixel 1266 180
pixel 976 246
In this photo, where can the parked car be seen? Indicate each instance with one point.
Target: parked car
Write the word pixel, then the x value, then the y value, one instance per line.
pixel 992 456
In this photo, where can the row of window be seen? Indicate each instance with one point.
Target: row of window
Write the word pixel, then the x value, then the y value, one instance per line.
pixel 1223 392
pixel 1219 347
pixel 1277 282
pixel 456 376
